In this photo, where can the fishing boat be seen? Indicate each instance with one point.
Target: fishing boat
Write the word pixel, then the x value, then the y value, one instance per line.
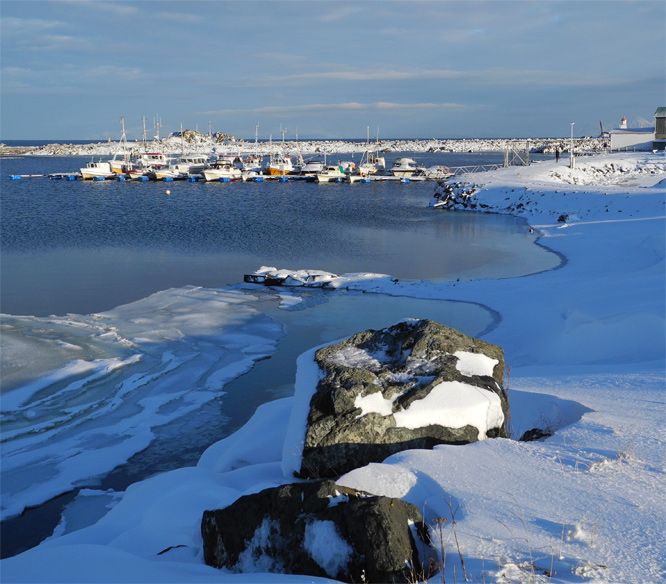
pixel 331 173
pixel 222 169
pixel 100 169
pixel 252 163
pixel 370 163
pixel 183 167
pixel 122 161
pixel 192 163
pixel 279 165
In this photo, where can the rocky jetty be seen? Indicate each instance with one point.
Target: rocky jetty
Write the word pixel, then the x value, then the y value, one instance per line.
pixel 198 142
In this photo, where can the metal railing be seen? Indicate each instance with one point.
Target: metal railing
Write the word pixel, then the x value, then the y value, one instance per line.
pixel 456 170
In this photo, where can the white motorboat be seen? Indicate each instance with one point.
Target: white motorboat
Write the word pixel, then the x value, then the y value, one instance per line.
pixel 252 163
pixel 404 167
pixel 150 161
pixel 169 172
pixel 222 169
pixel 436 172
pixel 187 165
pixel 311 167
pixel 100 169
pixel 330 174
pixel 192 163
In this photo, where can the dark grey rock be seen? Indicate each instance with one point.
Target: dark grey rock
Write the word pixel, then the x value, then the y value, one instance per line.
pixel 402 363
pixel 319 529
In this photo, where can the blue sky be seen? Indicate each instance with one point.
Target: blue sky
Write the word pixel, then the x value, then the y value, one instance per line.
pixel 330 69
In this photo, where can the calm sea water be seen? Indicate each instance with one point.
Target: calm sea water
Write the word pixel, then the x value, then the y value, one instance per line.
pixel 74 246
pixel 82 247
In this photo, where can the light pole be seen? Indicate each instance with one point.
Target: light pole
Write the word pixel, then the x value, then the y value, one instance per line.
pixel 571 154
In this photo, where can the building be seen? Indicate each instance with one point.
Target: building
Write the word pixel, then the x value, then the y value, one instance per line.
pixel 659 129
pixel 624 138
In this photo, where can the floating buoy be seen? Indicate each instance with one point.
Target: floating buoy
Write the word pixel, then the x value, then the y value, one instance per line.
pixel 168 192
pixel 258 179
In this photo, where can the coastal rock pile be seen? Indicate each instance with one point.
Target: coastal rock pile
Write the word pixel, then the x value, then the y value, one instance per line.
pixel 454 194
pixel 198 142
pixel 415 384
pixel 319 529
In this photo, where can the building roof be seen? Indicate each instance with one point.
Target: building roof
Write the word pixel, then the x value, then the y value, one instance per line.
pixel 647 130
pixel 660 113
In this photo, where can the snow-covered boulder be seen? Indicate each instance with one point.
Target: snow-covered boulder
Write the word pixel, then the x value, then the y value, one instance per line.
pixel 415 384
pixel 318 529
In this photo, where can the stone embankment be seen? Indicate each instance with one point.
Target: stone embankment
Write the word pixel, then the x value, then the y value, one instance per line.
pixel 197 142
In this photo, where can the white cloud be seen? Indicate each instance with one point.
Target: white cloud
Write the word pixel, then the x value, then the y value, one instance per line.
pixel 117 8
pixel 339 13
pixel 335 107
pixel 20 26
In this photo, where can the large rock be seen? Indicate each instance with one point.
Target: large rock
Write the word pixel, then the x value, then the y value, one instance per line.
pixel 415 384
pixel 319 529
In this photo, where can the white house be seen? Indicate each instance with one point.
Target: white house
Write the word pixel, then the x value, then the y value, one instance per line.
pixel 624 138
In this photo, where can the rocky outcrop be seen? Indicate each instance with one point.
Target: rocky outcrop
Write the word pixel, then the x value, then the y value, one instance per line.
pixel 319 529
pixel 449 194
pixel 415 384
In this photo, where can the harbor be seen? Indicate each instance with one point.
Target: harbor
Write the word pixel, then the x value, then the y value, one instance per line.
pixel 340 173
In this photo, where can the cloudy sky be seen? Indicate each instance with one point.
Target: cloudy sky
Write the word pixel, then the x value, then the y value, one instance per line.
pixel 330 68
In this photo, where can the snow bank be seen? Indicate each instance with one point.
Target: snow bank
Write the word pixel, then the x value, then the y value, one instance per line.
pixel 585 347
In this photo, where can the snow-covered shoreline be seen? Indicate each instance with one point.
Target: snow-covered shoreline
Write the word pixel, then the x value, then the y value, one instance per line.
pixel 586 351
pixel 202 143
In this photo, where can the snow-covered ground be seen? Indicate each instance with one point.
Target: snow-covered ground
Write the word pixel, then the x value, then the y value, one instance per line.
pixel 585 349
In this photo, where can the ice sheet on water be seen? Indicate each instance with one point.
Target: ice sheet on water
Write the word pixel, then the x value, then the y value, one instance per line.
pixel 115 377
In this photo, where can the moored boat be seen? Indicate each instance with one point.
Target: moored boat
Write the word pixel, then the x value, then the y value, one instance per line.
pixel 222 169
pixel 331 173
pixel 404 167
pixel 436 172
pixel 100 169
pixel 279 165
pixel 311 167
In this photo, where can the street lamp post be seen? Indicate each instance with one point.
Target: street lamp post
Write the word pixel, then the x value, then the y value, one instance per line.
pixel 571 153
